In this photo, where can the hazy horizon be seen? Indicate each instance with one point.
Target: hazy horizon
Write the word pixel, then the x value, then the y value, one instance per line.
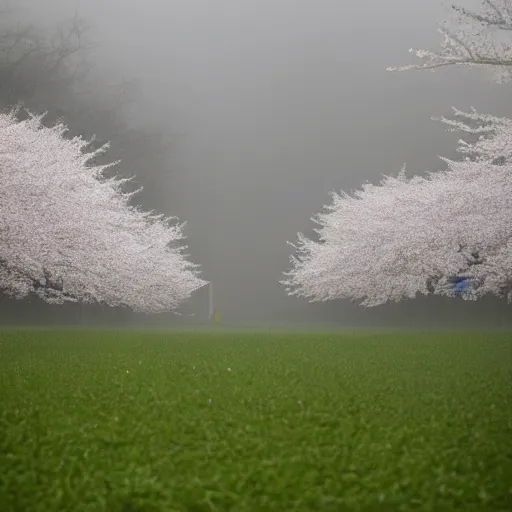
pixel 273 106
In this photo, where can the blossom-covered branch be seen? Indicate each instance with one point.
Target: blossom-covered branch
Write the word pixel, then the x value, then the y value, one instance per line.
pixel 492 136
pixel 478 39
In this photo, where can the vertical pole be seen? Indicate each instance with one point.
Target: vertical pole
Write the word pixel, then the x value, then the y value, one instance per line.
pixel 210 301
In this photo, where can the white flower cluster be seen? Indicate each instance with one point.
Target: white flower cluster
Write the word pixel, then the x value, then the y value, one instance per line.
pixel 67 233
pixel 408 236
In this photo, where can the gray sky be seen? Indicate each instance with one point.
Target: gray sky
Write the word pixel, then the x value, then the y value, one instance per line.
pixel 275 103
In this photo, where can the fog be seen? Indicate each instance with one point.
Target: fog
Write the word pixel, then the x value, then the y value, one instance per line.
pixel 273 104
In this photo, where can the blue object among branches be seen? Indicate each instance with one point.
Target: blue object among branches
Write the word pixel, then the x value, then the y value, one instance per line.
pixel 460 283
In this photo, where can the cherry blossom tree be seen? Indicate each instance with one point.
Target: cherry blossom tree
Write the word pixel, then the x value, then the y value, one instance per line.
pixel 409 236
pixel 68 233
pixel 420 235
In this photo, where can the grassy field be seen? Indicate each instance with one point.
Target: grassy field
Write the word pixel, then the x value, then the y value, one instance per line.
pixel 206 422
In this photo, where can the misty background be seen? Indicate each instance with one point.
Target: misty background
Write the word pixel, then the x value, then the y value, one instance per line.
pixel 256 111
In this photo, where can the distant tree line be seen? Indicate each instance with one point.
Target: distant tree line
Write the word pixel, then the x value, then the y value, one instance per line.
pixel 52 71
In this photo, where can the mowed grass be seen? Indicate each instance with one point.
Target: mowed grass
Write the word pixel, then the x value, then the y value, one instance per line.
pixel 250 421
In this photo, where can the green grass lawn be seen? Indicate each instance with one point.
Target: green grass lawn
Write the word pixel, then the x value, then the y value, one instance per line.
pixel 205 422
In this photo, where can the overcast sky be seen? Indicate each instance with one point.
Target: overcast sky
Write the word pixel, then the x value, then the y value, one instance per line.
pixel 275 103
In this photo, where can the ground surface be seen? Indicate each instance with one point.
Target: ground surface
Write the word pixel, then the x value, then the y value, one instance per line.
pixel 255 422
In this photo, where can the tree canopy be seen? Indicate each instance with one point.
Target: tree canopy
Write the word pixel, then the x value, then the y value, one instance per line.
pixel 68 233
